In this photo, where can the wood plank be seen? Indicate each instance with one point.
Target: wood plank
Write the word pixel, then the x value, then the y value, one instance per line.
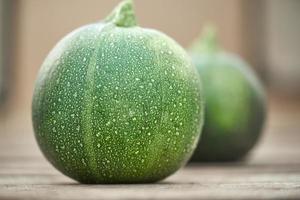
pixel 194 182
pixel 272 171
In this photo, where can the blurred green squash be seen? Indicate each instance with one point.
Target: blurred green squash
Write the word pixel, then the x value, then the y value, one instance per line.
pixel 235 102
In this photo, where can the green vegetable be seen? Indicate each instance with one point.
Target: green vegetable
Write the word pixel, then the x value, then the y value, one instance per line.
pixel 235 102
pixel 116 103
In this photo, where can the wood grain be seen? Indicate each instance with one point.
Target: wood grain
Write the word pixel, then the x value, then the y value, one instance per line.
pixel 272 171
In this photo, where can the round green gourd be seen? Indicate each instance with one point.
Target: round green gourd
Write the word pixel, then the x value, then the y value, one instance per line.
pixel 235 103
pixel 116 103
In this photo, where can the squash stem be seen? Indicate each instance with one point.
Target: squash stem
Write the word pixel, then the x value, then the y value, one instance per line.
pixel 123 15
pixel 208 42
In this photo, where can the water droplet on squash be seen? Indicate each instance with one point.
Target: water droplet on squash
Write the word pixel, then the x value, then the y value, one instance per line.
pixel 83 161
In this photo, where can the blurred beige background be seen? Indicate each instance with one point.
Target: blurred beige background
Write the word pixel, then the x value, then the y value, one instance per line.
pixel 266 33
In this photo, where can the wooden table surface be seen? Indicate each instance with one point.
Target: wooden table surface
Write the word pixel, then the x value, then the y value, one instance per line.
pixel 271 172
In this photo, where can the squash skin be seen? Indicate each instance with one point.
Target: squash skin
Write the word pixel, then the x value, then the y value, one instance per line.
pixel 235 109
pixel 117 105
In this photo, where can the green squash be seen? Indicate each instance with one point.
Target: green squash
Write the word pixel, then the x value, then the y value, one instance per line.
pixel 116 103
pixel 235 102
